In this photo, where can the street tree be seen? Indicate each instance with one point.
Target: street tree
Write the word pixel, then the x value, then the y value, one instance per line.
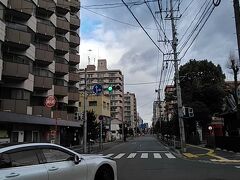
pixel 202 86
pixel 92 126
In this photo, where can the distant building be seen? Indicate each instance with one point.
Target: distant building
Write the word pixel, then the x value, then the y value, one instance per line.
pixel 130 110
pixel 169 102
pixel 156 112
pixel 102 75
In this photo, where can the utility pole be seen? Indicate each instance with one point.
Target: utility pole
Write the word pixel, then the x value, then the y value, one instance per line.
pixel 85 114
pixel 177 80
pixel 237 22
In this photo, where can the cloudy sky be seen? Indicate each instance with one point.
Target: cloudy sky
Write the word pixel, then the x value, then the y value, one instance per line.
pixel 111 32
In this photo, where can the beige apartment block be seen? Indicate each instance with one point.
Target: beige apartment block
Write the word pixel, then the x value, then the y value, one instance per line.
pixel 39 56
pixel 100 105
pixel 106 77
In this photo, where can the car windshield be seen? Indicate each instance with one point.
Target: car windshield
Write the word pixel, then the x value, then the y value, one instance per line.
pixel 150 84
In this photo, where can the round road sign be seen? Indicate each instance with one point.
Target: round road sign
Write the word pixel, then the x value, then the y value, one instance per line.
pixel 50 101
pixel 97 88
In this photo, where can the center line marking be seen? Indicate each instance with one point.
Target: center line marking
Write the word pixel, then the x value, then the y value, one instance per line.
pixel 144 155
pixel 132 155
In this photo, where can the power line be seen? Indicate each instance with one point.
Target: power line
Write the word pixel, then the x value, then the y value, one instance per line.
pixel 125 23
pixel 141 26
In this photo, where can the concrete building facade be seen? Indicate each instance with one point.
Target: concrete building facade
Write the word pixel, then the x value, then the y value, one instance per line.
pixel 130 110
pixel 102 75
pixel 39 42
pixel 169 102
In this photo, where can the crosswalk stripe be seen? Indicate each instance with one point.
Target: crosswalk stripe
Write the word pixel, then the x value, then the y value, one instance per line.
pixel 108 155
pixel 119 156
pixel 170 156
pixel 157 155
pixel 144 155
pixel 237 167
pixel 132 155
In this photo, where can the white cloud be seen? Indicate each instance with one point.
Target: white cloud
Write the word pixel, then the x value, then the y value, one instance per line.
pixel 129 49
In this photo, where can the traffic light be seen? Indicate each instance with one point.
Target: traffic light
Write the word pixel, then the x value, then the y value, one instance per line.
pixel 113 88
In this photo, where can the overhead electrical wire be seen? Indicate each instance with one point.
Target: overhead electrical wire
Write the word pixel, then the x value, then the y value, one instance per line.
pixel 142 26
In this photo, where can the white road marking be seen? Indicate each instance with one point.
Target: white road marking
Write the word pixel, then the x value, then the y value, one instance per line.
pixel 151 151
pixel 237 167
pixel 108 155
pixel 144 155
pixel 170 156
pixel 157 155
pixel 132 155
pixel 119 156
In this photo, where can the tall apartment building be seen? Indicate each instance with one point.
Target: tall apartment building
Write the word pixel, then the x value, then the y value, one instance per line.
pixel 102 75
pixel 156 112
pixel 130 110
pixel 39 42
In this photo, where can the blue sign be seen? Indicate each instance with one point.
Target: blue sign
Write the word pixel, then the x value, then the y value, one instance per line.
pixel 97 88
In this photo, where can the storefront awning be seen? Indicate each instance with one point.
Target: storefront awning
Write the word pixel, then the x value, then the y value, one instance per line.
pixel 28 119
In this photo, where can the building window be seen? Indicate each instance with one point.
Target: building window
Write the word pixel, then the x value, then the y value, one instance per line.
pixel 89 75
pixel 80 104
pixel 92 103
pixel 104 105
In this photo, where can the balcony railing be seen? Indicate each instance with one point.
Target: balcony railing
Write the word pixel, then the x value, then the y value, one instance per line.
pixel 61 68
pixel 74 22
pixel 60 90
pixel 48 5
pixel 16 36
pixel 74 77
pixel 13 105
pixel 74 59
pixel 41 82
pixel 15 70
pixel 44 53
pixel 41 111
pixel 57 114
pixel 63 24
pixel 22 6
pixel 45 28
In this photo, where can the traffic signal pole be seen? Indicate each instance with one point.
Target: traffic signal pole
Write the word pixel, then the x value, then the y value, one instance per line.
pixel 85 114
pixel 177 80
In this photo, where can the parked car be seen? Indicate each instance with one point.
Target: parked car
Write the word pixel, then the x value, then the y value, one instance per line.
pixel 44 161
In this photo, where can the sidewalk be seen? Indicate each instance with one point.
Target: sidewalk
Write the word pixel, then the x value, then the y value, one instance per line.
pixel 200 152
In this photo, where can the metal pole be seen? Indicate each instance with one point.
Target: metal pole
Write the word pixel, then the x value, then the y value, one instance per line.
pixel 101 131
pixel 237 23
pixel 85 115
pixel 179 96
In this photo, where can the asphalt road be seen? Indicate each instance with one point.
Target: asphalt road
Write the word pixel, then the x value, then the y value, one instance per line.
pixel 144 158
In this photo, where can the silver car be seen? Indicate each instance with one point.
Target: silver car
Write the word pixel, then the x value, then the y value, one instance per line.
pixel 44 161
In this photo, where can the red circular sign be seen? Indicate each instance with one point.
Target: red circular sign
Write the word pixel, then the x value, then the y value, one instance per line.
pixel 50 101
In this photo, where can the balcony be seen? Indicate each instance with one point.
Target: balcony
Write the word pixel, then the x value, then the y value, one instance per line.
pixel 60 90
pixel 61 69
pixel 24 7
pixel 41 111
pixel 62 46
pixel 60 114
pixel 63 24
pixel 74 59
pixel 45 29
pixel 75 6
pixel 74 77
pixel 13 105
pixel 15 70
pixel 44 83
pixel 18 38
pixel 73 96
pixel 74 40
pixel 63 6
pixel 47 5
pixel 44 53
pixel 74 22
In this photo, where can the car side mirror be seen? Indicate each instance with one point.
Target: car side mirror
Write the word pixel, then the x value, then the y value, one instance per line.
pixel 77 160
